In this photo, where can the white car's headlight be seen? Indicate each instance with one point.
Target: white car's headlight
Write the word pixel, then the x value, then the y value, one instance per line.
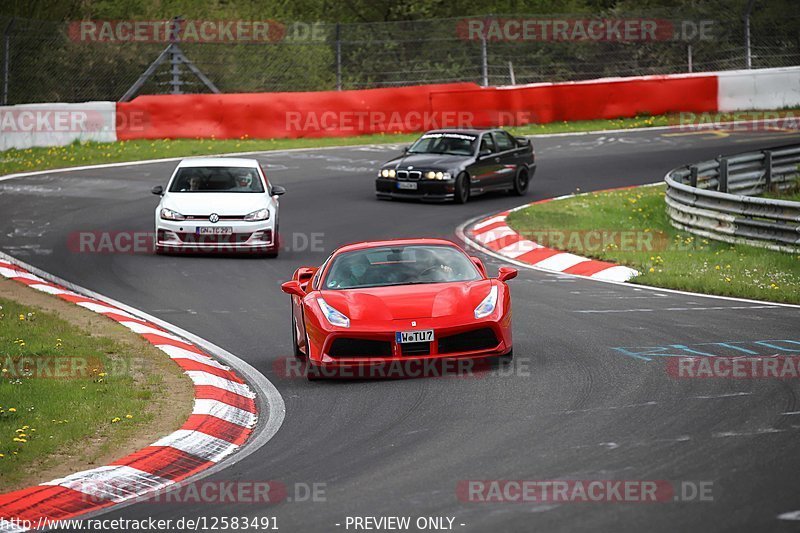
pixel 486 307
pixel 334 317
pixel 169 214
pixel 261 214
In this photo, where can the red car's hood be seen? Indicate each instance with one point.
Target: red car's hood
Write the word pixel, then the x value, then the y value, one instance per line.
pixel 409 301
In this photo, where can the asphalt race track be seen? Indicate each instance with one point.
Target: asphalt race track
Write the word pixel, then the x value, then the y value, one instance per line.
pixel 580 403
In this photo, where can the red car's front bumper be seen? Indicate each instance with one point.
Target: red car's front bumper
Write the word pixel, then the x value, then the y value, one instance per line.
pixel 374 352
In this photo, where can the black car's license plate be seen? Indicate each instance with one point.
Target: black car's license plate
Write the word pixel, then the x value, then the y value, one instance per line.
pixel 423 335
pixel 407 185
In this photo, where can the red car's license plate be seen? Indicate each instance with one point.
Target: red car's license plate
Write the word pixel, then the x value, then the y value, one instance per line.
pixel 423 335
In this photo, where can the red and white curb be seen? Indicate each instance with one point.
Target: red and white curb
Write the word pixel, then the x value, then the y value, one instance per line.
pixel 493 234
pixel 224 415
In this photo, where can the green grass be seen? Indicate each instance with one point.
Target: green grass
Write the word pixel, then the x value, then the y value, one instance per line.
pixel 91 153
pixel 666 257
pixel 792 195
pixel 46 415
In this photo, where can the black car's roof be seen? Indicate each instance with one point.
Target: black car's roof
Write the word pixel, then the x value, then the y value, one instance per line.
pixel 465 131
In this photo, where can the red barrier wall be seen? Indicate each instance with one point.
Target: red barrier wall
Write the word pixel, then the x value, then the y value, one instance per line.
pixel 276 115
pixel 407 109
pixel 598 99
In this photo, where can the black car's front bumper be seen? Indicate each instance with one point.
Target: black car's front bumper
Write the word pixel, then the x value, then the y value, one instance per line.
pixel 433 190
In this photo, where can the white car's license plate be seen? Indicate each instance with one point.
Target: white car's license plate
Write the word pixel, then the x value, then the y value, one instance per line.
pixel 409 185
pixel 423 335
pixel 215 230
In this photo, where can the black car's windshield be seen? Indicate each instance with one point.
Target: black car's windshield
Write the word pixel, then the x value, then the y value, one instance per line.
pixel 399 265
pixel 217 179
pixel 444 143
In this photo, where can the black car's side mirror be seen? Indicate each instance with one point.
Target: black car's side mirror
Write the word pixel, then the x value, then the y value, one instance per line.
pixel 277 190
pixel 158 190
pixel 405 149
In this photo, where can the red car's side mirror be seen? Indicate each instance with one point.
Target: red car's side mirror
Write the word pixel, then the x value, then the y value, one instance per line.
pixel 304 274
pixel 506 273
pixel 478 263
pixel 293 288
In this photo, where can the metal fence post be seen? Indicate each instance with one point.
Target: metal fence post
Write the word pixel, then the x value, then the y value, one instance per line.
pixel 6 59
pixel 722 185
pixel 511 73
pixel 689 54
pixel 484 62
pixel 174 57
pixel 338 57
pixel 767 169
pixel 748 56
pixel 693 175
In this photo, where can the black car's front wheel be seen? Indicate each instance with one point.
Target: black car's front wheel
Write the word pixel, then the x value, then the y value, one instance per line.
pixel 521 182
pixel 462 189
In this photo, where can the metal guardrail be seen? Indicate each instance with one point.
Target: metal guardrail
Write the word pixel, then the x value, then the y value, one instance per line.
pixel 715 199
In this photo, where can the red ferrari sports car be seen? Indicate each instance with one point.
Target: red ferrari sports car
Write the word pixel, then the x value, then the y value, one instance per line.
pixel 392 302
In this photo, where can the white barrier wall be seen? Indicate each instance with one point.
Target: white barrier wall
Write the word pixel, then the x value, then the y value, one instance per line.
pixel 772 88
pixel 27 125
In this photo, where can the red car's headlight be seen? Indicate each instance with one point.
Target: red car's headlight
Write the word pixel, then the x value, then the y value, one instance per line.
pixel 486 307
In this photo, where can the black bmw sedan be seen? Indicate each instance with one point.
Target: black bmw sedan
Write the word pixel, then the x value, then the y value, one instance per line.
pixel 457 164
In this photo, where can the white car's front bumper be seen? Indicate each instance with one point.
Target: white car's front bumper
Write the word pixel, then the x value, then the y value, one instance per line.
pixel 260 236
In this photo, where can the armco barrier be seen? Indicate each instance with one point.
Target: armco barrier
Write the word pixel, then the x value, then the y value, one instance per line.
pixel 712 199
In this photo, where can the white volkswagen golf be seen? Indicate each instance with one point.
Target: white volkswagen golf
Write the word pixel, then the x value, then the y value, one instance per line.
pixel 218 204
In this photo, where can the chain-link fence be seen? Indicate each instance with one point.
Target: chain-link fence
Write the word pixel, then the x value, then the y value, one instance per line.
pixel 45 62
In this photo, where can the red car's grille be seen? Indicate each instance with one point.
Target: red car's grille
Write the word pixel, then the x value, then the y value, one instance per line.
pixel 347 347
pixel 416 348
pixel 477 339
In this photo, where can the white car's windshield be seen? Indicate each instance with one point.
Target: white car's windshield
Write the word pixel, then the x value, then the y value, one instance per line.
pixel 217 179
pixel 444 143
pixel 400 265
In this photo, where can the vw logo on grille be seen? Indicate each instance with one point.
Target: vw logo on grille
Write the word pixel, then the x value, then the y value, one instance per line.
pixel 214 218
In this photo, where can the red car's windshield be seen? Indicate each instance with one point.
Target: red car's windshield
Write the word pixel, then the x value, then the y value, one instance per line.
pixel 399 265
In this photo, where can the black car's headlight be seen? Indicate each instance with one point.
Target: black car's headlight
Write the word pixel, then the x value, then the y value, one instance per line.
pixel 437 175
pixel 387 173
